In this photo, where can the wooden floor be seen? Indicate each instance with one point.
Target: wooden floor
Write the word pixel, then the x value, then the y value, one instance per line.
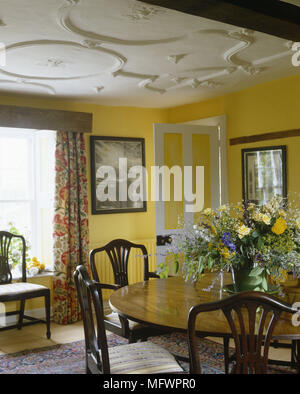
pixel 34 336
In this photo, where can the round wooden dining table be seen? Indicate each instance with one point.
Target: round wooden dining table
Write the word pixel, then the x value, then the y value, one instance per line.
pixel 166 303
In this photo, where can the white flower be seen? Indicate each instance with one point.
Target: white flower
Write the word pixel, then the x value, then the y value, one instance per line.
pixel 266 219
pixel 243 231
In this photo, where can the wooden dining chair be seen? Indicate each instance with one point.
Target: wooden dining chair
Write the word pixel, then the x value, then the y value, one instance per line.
pixel 134 358
pixel 118 252
pixel 251 337
pixel 19 291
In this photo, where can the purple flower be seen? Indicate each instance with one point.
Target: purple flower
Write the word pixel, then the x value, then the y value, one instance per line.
pixel 226 239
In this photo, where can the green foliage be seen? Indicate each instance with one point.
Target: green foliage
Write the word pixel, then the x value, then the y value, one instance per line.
pixel 16 248
pixel 265 239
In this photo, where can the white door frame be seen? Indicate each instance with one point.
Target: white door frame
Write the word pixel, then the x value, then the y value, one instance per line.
pixel 159 130
pixel 221 122
pixel 216 128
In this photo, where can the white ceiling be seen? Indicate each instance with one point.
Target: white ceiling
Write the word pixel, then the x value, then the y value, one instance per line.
pixel 125 52
pixel 294 2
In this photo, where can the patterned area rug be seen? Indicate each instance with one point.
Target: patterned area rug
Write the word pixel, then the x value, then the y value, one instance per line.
pixel 70 359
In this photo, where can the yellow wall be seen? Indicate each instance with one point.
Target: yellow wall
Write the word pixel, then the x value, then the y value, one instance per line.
pixel 108 121
pixel 272 106
pixel 112 121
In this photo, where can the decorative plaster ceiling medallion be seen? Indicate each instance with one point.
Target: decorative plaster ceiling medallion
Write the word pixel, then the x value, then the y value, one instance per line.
pixel 108 61
pixel 143 12
pixel 65 21
pixel 52 62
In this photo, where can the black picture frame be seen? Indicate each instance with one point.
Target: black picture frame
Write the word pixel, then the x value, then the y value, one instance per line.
pixel 262 180
pixel 106 150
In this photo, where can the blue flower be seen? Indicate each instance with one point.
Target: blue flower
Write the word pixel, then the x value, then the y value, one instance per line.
pixel 226 239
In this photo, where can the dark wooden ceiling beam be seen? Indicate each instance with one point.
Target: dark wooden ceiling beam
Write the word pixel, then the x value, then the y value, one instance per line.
pixel 267 16
pixel 45 119
pixel 264 137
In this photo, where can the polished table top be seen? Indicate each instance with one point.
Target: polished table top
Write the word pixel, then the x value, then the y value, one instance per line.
pixel 166 302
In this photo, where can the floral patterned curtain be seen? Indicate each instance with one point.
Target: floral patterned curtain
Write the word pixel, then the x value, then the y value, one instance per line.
pixel 70 223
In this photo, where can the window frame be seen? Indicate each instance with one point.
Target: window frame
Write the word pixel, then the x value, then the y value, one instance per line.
pixel 37 199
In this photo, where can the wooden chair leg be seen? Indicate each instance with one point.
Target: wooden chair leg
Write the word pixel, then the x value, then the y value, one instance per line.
pixel 47 308
pixel 21 314
pixel 226 354
pixel 132 338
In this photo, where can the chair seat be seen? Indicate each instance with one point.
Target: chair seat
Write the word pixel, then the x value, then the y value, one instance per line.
pixel 20 287
pixel 142 358
pixel 114 318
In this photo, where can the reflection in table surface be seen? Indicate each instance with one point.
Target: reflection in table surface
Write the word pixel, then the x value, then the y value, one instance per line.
pixel 166 302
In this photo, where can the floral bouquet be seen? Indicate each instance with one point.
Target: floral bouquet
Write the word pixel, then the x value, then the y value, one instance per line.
pixel 35 266
pixel 16 248
pixel 265 240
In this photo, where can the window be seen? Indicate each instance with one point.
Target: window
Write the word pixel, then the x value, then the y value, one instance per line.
pixel 27 187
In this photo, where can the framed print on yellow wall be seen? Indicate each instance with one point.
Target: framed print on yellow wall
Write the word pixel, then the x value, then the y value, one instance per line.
pixel 264 173
pixel 118 177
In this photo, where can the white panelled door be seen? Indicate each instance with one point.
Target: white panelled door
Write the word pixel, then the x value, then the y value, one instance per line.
pixel 183 146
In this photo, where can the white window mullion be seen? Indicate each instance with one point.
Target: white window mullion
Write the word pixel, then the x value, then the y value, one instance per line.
pixel 36 211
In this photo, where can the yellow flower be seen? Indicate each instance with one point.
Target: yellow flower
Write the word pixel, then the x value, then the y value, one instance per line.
pixel 298 223
pixel 260 217
pixel 222 208
pixel 226 254
pixel 238 208
pixel 209 212
pixel 36 263
pixel 243 231
pixel 213 230
pixel 279 227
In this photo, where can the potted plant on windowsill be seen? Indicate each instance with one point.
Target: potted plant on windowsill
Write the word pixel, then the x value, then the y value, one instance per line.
pixel 258 245
pixel 33 265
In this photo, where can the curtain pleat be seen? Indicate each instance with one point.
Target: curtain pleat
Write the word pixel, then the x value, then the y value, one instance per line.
pixel 70 223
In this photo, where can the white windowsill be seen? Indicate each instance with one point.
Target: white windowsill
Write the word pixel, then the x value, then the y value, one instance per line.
pixel 41 275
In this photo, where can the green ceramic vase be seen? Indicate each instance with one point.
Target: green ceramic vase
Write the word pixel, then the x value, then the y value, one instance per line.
pixel 242 281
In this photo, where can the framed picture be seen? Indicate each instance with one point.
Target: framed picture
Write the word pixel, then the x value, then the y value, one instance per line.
pixel 118 177
pixel 264 173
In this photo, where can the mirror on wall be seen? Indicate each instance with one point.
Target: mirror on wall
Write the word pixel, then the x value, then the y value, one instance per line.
pixel 264 173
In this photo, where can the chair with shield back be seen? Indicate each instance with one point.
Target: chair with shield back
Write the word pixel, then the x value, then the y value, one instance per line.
pixel 118 252
pixel 252 317
pixel 134 358
pixel 19 290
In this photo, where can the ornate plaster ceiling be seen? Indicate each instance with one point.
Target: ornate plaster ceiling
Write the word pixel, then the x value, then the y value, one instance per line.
pixel 294 2
pixel 125 52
